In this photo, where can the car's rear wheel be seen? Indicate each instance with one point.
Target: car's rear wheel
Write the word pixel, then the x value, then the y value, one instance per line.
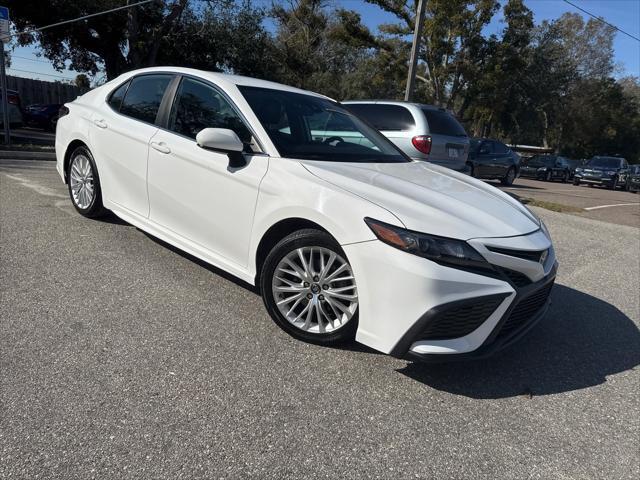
pixel 84 184
pixel 309 288
pixel 509 177
pixel 576 181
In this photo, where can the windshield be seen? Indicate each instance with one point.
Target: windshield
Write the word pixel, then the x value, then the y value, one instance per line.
pixel 604 162
pixel 540 161
pixel 314 128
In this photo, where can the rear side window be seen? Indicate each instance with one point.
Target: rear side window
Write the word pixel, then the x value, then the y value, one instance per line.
pixel 443 123
pixel 392 118
pixel 115 100
pixel 142 100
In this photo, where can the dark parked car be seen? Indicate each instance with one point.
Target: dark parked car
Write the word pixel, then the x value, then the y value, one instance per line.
pixel 493 159
pixel 633 179
pixel 573 164
pixel 607 171
pixel 42 116
pixel 546 167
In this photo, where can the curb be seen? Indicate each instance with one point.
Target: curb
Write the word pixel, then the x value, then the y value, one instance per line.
pixel 27 155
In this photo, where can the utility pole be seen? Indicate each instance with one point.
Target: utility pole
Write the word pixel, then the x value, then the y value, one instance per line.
pixel 4 33
pixel 415 48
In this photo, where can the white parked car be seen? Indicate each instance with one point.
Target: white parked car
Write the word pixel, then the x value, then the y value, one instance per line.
pixel 344 235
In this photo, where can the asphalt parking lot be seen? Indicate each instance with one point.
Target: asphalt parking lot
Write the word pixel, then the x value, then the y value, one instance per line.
pixel 599 203
pixel 122 358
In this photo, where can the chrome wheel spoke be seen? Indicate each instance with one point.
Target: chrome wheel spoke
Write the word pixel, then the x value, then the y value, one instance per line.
pixel 314 289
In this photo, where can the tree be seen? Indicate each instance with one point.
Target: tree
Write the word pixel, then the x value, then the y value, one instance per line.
pixel 315 48
pixel 82 82
pixel 451 41
pixel 117 41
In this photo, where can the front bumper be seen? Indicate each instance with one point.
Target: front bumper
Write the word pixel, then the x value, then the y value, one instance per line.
pixel 402 295
pixel 595 180
pixel 523 313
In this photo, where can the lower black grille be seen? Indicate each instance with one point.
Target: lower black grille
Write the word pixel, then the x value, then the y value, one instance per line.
pixel 517 278
pixel 525 310
pixel 460 321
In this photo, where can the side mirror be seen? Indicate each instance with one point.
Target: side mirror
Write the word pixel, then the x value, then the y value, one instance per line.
pixel 223 140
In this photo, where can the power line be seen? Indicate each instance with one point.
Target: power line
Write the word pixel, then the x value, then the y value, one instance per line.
pixel 38 73
pixel 600 19
pixel 30 59
pixel 39 29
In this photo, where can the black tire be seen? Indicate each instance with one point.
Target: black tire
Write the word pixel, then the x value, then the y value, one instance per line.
pixel 471 170
pixel 576 181
pixel 614 184
pixel 302 238
pixel 95 209
pixel 548 176
pixel 508 179
pixel 565 177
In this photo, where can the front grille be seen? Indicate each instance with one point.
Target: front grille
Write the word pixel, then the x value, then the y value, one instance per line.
pixel 531 255
pixel 517 278
pixel 460 321
pixel 525 310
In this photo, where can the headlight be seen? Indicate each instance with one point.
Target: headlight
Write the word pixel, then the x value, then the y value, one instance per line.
pixel 610 172
pixel 447 251
pixel 542 169
pixel 579 170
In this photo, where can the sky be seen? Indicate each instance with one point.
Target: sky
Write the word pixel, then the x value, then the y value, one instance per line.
pixel 625 14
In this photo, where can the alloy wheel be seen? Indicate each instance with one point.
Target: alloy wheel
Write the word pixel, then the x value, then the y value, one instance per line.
pixel 314 289
pixel 81 181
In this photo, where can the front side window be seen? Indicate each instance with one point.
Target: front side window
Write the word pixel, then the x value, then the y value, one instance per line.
pixel 143 98
pixel 500 147
pixel 198 106
pixel 314 128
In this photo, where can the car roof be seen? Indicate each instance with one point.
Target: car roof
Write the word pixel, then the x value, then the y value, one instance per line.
pixel 395 102
pixel 221 79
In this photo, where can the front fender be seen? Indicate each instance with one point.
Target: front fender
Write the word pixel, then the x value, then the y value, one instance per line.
pixel 290 191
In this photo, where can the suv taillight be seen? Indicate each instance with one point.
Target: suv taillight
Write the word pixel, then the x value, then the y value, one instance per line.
pixel 63 111
pixel 422 143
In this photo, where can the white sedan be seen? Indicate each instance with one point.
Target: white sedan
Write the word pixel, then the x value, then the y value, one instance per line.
pixel 286 189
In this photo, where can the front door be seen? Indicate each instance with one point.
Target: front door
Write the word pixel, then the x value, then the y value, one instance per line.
pixel 192 191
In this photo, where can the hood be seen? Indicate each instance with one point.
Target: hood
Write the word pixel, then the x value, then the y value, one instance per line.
pixel 431 199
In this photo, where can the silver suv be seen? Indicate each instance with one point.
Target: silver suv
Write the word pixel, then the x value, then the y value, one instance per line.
pixel 423 132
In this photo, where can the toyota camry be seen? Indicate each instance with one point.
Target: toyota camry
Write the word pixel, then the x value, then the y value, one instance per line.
pixel 344 235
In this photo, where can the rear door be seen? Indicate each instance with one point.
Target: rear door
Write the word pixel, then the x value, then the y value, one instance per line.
pixel 449 141
pixel 120 136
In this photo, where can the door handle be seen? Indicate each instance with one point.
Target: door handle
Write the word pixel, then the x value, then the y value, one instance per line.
pixel 161 147
pixel 100 123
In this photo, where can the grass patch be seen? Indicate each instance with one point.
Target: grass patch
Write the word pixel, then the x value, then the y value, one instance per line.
pixel 554 207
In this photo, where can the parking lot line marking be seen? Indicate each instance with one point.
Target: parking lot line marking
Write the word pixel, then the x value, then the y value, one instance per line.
pixel 41 189
pixel 614 205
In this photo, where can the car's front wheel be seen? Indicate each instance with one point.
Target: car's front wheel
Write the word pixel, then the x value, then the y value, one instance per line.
pixel 309 288
pixel 509 177
pixel 84 184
